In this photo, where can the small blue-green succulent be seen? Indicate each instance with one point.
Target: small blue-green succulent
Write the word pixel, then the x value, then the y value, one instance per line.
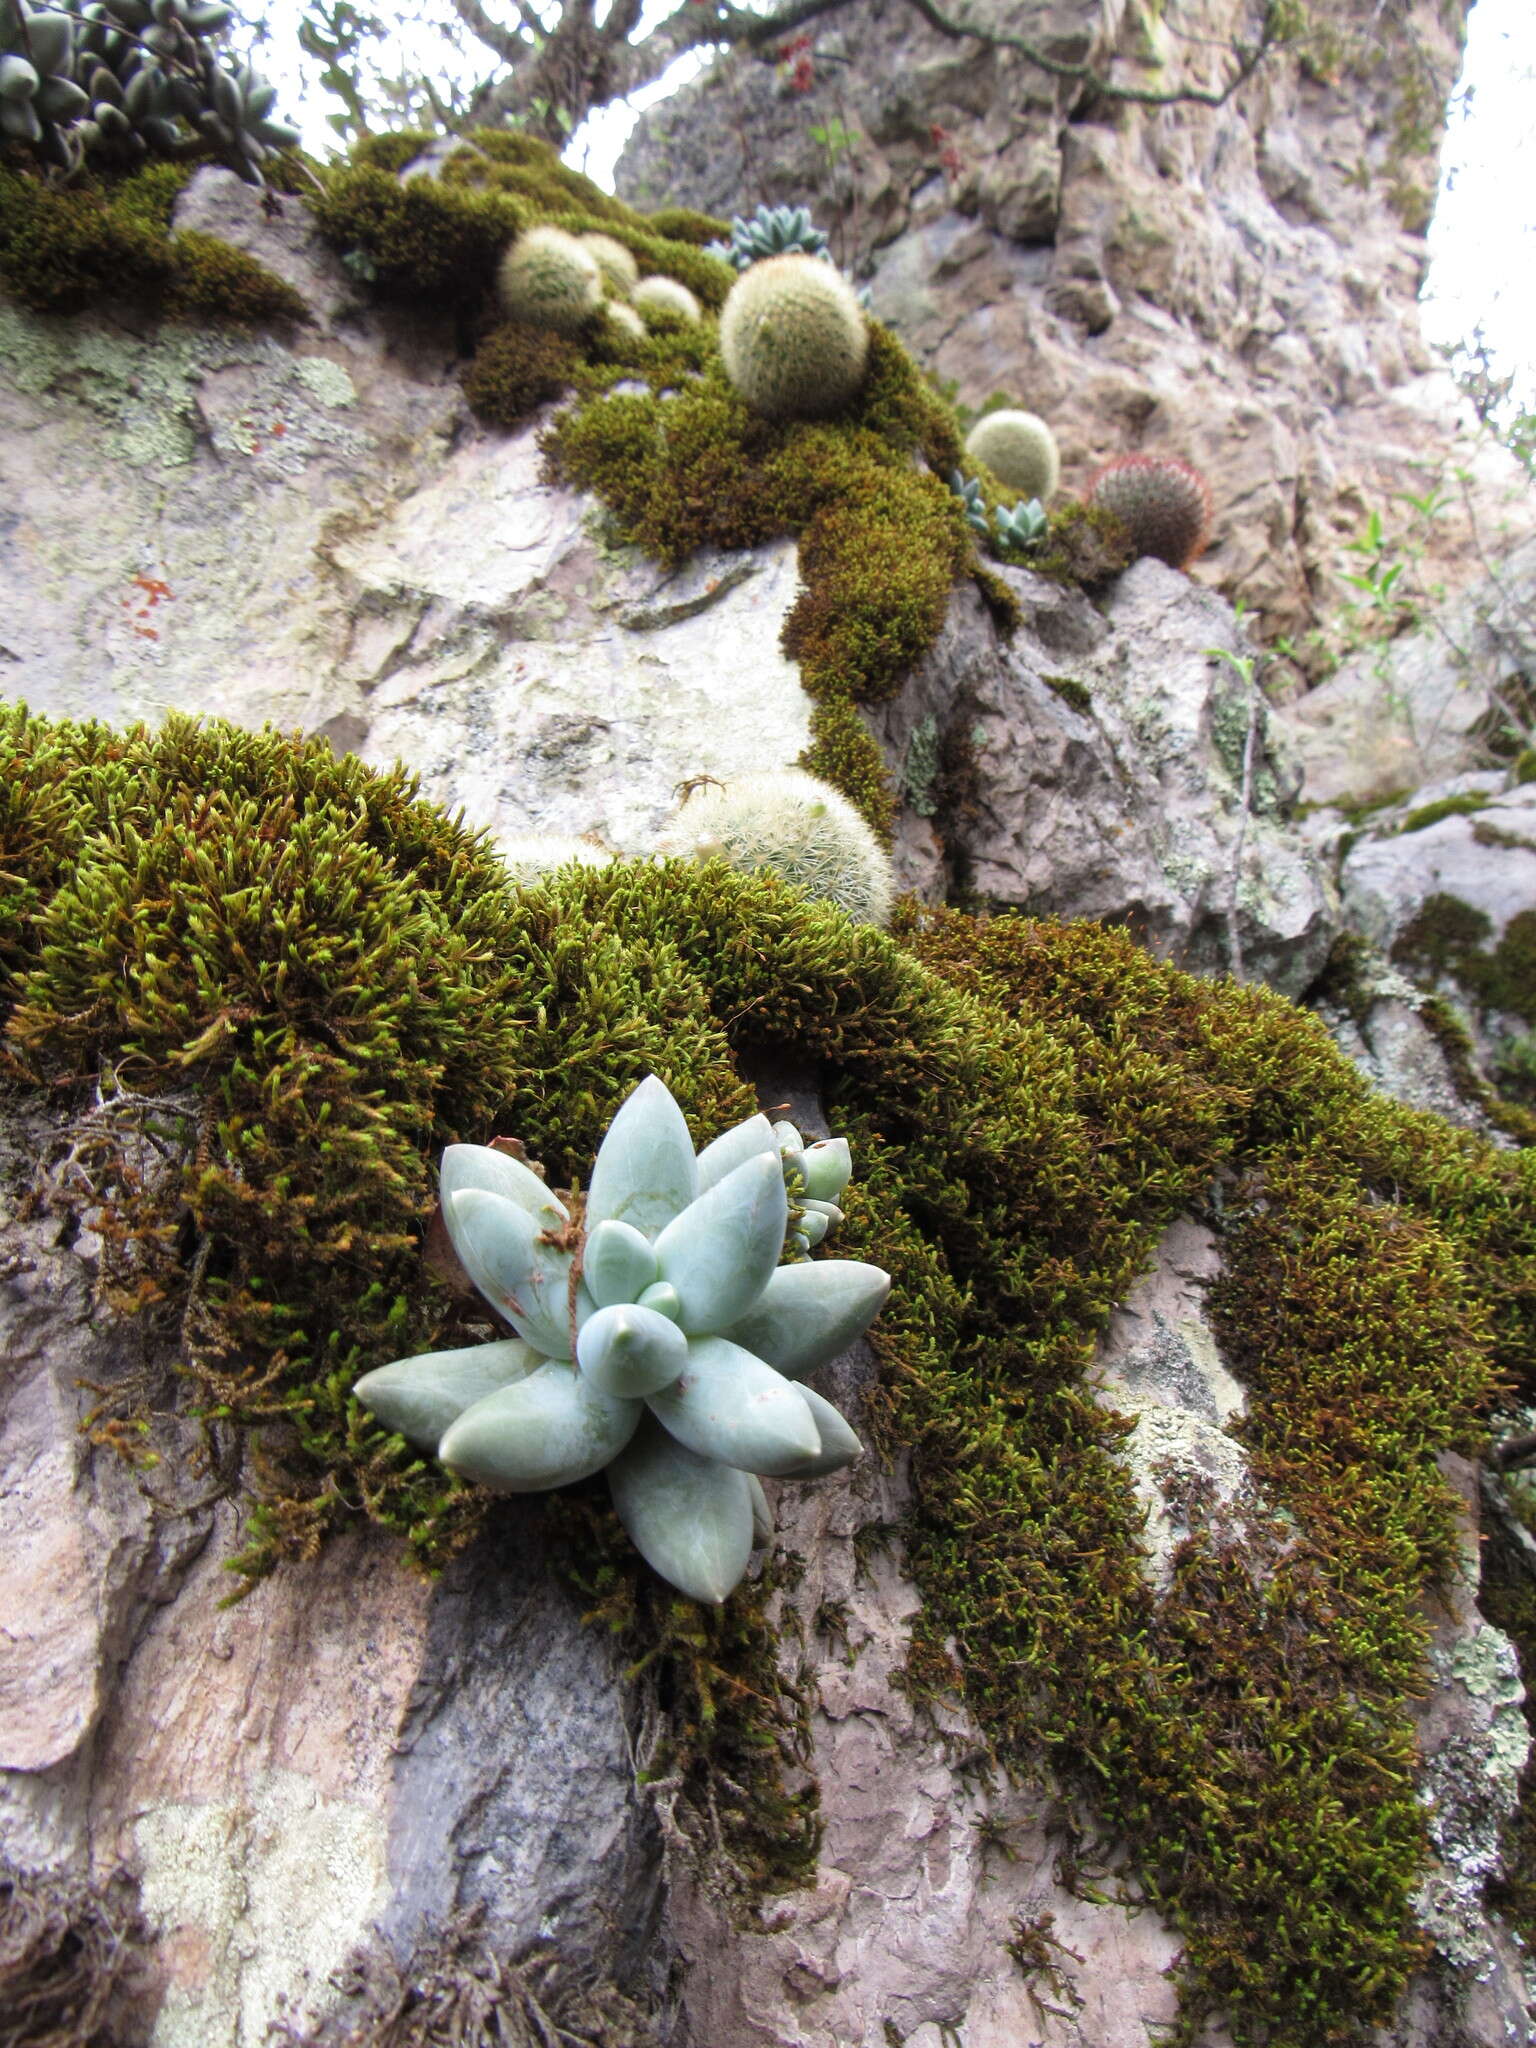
pixel 968 490
pixel 658 1337
pixel 1021 525
pixel 772 231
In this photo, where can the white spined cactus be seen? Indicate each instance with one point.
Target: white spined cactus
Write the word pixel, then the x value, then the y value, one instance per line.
pixel 658 1337
pixel 796 826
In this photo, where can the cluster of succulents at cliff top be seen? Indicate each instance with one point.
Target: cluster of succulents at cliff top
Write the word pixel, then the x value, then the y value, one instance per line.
pixel 772 231
pixel 121 80
pixel 658 1336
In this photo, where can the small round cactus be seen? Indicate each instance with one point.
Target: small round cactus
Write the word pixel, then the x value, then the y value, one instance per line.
pixel 795 826
pixel 625 318
pixel 1163 503
pixel 547 279
pixel 664 296
pixel 619 269
pixel 658 1337
pixel 536 854
pixel 793 338
pixel 1020 450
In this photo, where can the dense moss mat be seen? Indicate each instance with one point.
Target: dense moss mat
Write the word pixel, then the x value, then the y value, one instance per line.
pixel 345 979
pixel 63 248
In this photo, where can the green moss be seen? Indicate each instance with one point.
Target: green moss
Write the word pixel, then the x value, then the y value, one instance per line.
pixel 844 752
pixel 1447 937
pixel 1077 696
pixel 1524 766
pixel 1084 545
pixel 63 249
pixel 1444 807
pixel 685 224
pixel 345 978
pixel 515 370
pixel 881 542
pixel 425 240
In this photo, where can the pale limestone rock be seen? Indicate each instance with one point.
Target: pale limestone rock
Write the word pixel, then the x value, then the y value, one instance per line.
pixel 1108 747
pixel 1420 709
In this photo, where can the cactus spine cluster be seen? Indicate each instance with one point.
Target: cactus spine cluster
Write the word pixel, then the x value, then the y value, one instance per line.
pixel 548 279
pixel 793 338
pixel 796 827
pixel 772 231
pixel 1163 503
pixel 658 1337
pixel 1020 450
pixel 126 79
pixel 620 272
pixel 665 297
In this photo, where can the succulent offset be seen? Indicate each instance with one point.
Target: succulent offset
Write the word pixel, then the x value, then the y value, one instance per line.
pixel 968 490
pixel 658 1336
pixel 772 231
pixel 131 78
pixel 1019 526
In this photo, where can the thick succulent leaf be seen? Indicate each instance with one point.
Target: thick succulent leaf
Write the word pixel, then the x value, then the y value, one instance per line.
pixel 18 79
pixel 729 1405
pixel 546 1430
pixel 663 1298
pixel 49 38
pixel 720 1252
pixel 617 1263
pixel 787 1137
pixel 808 1314
pixel 420 1398
pixel 762 1520
pixel 733 1148
pixel 478 1166
pixel 644 1173
pixel 812 1228
pixel 504 1252
pixel 839 1445
pixel 631 1351
pixel 689 1518
pixel 828 1168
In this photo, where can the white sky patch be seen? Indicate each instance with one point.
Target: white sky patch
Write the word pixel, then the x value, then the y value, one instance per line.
pixel 1483 237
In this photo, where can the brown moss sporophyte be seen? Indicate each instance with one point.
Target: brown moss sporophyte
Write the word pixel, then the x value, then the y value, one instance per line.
pixel 658 1335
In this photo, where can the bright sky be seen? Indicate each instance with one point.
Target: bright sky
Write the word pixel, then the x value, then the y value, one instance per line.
pixel 1483 238
pixel 1482 242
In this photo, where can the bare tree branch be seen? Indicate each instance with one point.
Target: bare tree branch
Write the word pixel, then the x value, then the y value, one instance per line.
pixel 576 66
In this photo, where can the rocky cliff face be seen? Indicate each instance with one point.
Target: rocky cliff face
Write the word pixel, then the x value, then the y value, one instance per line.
pixel 1232 284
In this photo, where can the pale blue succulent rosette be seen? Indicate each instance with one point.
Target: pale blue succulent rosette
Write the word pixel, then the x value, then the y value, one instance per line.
pixel 658 1336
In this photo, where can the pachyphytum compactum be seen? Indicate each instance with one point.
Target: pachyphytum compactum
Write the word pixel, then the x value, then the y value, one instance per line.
pixel 658 1336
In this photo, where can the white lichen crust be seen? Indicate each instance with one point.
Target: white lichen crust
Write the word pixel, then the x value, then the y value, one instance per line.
pixel 794 825
pixel 794 338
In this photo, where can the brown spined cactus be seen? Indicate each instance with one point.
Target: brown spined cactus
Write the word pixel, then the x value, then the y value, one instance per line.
pixel 1163 503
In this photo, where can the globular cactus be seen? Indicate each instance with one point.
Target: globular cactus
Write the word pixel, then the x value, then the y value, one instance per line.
pixel 658 1337
pixel 1163 503
pixel 620 271
pixel 536 854
pixel 772 231
pixel 625 318
pixel 1020 450
pixel 793 338
pixel 665 297
pixel 547 279
pixel 796 827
